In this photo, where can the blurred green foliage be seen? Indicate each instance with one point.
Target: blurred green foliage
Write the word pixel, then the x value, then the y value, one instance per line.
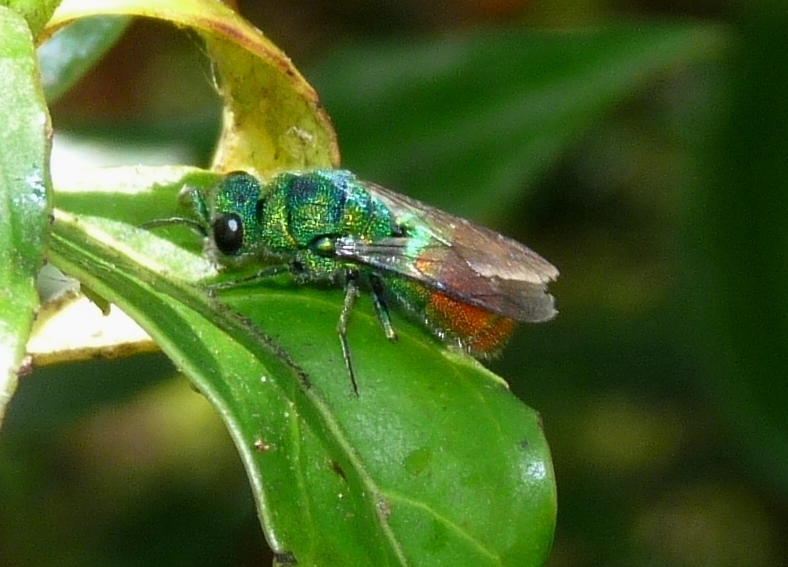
pixel 661 383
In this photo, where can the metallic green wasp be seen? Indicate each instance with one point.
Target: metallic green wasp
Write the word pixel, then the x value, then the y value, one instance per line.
pixel 469 285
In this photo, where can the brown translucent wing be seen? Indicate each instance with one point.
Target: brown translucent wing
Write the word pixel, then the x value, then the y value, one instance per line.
pixel 467 262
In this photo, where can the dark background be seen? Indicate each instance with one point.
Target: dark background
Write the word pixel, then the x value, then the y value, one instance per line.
pixel 662 383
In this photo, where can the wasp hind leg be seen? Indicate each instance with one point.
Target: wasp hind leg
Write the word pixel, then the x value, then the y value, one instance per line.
pixel 382 308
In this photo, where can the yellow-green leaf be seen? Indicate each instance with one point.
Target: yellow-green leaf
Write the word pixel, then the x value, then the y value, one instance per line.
pixel 273 120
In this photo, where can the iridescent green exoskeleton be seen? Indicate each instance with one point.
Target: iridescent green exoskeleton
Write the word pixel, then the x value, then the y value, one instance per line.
pixel 467 284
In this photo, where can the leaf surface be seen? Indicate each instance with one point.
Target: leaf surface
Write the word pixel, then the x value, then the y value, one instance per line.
pixel 435 463
pixel 24 193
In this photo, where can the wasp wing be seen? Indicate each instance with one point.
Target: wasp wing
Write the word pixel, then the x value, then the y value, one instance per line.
pixel 462 260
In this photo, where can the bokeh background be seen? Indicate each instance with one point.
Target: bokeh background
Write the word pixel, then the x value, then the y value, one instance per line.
pixel 662 383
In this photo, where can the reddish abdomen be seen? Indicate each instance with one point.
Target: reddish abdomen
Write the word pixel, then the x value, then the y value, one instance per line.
pixel 480 332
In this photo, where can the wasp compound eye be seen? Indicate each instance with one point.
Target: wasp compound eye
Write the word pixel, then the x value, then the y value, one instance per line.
pixel 228 233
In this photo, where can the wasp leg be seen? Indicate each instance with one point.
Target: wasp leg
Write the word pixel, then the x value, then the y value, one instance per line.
pixel 382 308
pixel 268 272
pixel 351 291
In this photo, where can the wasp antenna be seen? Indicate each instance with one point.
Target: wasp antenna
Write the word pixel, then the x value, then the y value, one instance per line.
pixel 191 223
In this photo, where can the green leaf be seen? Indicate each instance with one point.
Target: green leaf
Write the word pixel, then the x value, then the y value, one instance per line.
pixel 468 121
pixel 75 49
pixel 272 118
pixel 435 463
pixel 35 12
pixel 24 193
